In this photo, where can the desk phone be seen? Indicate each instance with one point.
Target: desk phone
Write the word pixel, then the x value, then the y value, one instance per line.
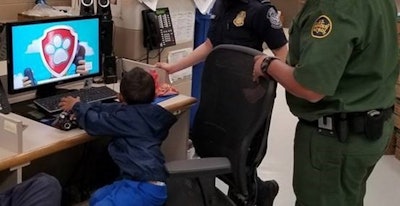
pixel 157 28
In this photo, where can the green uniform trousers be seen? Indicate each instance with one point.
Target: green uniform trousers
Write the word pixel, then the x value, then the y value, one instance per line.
pixel 328 172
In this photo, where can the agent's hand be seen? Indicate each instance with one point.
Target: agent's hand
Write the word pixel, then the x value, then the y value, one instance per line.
pixel 81 68
pixel 257 73
pixel 66 103
pixel 165 66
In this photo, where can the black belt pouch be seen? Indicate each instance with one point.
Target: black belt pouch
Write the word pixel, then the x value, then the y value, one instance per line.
pixel 373 126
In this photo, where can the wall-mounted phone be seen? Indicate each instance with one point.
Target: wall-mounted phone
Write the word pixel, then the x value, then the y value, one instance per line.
pixel 157 29
pixel 5 107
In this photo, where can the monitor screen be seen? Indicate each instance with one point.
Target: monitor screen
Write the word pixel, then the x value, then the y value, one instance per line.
pixel 45 53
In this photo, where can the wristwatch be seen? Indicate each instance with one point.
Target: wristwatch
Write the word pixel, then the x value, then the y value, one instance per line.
pixel 265 64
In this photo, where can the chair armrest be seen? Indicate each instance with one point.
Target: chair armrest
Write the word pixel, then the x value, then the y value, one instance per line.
pixel 199 167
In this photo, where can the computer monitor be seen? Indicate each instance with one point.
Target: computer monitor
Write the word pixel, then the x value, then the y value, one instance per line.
pixel 48 53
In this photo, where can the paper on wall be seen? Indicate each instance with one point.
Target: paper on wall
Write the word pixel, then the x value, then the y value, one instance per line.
pixel 152 4
pixel 183 24
pixel 204 6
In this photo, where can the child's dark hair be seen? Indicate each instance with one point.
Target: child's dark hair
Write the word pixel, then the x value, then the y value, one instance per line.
pixel 137 86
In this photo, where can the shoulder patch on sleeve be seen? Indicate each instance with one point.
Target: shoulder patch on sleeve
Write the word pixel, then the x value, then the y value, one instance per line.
pixel 321 27
pixel 273 17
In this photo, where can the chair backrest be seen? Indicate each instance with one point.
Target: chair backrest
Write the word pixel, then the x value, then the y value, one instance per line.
pixel 234 114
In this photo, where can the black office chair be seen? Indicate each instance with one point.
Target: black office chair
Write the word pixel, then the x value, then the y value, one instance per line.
pixel 229 133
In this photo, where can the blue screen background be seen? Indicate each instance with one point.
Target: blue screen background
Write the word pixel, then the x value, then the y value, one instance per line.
pixel 24 35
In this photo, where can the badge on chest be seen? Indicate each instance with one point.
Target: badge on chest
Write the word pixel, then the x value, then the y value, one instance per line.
pixel 239 20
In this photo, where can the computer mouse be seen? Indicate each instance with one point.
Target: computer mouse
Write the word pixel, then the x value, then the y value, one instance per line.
pixel 29 73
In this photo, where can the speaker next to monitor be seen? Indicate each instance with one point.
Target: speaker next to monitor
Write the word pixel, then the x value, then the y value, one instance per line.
pixel 3 43
pixel 106 35
pixel 103 9
pixel 87 7
pixel 109 69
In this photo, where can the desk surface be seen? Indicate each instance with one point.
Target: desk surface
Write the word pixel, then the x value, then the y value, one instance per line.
pixel 40 140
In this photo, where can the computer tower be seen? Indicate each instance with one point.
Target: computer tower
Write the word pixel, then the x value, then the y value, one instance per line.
pixel 87 7
pixel 109 69
pixel 104 9
pixel 3 43
pixel 107 30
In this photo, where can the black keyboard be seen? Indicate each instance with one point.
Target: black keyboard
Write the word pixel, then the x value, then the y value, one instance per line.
pixel 89 95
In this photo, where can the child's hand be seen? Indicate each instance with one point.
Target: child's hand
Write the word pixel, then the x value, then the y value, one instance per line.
pixel 66 103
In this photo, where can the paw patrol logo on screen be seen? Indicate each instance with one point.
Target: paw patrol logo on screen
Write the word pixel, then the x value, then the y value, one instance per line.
pixel 58 48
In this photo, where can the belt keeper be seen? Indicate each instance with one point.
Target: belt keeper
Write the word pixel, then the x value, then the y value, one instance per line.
pixel 325 123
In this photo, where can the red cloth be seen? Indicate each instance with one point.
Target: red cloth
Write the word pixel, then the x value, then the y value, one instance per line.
pixel 163 89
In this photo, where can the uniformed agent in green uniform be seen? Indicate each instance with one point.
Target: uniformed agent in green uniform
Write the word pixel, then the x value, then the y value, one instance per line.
pixel 340 82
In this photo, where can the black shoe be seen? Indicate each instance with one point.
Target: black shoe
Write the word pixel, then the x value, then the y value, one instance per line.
pixel 267 191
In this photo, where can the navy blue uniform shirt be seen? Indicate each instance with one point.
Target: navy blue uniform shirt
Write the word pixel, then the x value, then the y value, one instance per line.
pixel 137 131
pixel 246 24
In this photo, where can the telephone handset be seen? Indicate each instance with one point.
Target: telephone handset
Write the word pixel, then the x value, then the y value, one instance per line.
pixel 157 29
pixel 5 107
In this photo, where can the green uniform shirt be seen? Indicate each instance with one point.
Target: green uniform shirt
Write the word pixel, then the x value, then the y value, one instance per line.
pixel 346 50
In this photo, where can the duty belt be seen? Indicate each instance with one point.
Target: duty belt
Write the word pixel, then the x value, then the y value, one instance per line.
pixel 357 122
